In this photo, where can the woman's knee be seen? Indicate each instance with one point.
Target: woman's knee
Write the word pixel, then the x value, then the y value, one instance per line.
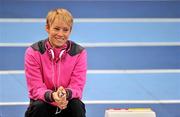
pixel 39 105
pixel 37 108
pixel 77 108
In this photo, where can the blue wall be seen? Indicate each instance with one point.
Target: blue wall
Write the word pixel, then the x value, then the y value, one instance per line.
pixel 92 9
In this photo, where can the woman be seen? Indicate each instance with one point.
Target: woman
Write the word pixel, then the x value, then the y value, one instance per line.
pixel 55 70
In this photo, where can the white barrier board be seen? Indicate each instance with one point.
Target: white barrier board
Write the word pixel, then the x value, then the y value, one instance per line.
pixel 132 112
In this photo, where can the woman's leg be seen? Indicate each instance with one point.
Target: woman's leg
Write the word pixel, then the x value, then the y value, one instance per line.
pixel 75 108
pixel 39 109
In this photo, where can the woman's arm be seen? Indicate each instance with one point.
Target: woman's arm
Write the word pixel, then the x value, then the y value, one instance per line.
pixel 36 86
pixel 78 77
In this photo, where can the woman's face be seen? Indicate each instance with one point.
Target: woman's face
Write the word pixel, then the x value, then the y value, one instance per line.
pixel 58 33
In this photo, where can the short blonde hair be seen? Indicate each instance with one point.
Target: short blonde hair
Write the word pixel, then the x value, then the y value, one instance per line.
pixel 61 14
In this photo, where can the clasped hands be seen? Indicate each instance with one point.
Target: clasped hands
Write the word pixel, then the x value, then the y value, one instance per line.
pixel 60 98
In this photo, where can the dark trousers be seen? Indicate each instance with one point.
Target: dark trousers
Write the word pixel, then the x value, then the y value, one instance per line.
pixel 38 108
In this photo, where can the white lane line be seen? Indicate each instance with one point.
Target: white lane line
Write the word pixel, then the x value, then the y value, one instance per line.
pixel 34 20
pixel 122 44
pixel 107 71
pixel 107 102
pixel 103 44
pixel 133 71
pixel 131 101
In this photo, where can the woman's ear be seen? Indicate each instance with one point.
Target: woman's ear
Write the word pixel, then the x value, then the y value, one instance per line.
pixel 47 28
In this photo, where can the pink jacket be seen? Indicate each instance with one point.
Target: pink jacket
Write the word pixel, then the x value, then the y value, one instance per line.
pixel 43 73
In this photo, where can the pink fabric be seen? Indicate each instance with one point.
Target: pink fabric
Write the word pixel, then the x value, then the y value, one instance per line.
pixel 43 74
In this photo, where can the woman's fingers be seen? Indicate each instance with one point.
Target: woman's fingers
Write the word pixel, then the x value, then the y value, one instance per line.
pixel 63 105
pixel 60 96
pixel 61 91
pixel 56 97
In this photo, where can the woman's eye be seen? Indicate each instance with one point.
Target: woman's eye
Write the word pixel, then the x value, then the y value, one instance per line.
pixel 57 29
pixel 65 29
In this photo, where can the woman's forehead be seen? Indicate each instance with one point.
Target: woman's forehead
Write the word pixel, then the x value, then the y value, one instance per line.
pixel 60 22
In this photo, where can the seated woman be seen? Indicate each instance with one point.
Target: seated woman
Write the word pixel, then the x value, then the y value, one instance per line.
pixel 55 70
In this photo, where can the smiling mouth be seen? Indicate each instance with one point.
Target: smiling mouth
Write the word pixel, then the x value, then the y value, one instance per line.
pixel 60 39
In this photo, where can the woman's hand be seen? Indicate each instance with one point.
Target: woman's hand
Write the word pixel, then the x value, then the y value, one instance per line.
pixel 60 98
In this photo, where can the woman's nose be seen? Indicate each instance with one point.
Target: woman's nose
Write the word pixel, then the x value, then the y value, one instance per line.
pixel 60 33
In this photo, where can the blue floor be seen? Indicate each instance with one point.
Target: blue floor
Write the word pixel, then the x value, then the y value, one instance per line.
pixel 93 32
pixel 164 86
pixel 135 57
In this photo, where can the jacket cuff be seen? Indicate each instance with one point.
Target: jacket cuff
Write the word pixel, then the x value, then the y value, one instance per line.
pixel 68 94
pixel 48 96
